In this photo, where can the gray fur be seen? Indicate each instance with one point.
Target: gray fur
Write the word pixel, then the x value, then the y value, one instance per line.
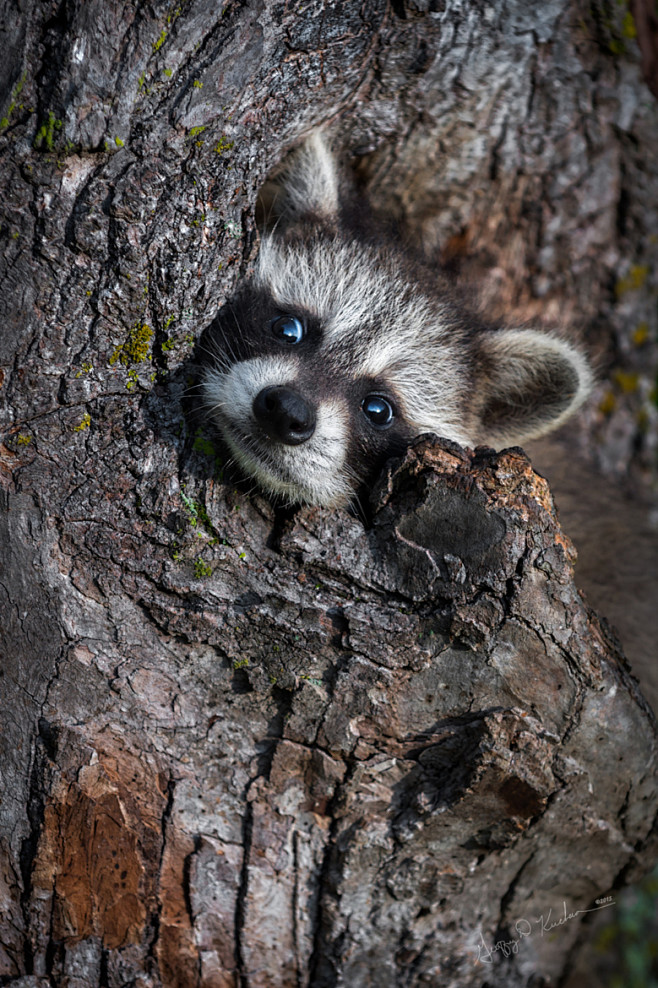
pixel 374 330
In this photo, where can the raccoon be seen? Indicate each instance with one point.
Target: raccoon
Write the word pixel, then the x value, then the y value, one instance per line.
pixel 340 349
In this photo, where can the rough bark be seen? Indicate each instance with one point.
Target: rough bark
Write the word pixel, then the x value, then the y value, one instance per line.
pixel 246 748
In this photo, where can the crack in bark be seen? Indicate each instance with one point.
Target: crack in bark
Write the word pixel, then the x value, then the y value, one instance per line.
pixel 295 908
pixel 36 805
pixel 319 956
pixel 243 889
pixel 164 824
pixel 511 891
pixel 187 895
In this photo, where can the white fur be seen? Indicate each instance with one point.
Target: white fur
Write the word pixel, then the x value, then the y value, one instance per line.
pixel 519 355
pixel 339 283
pixel 370 314
pixel 376 324
pixel 313 471
pixel 232 392
pixel 309 182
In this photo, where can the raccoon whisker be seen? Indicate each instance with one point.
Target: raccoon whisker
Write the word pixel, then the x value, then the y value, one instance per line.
pixel 211 348
pixel 368 349
pixel 359 510
pixel 226 357
pixel 197 388
pixel 217 355
pixel 252 489
pixel 217 406
pixel 221 350
pixel 240 335
pixel 231 462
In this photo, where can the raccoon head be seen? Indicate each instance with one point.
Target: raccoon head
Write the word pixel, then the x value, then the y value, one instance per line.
pixel 335 354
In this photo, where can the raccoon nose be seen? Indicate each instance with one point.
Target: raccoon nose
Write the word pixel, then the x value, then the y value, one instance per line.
pixel 284 415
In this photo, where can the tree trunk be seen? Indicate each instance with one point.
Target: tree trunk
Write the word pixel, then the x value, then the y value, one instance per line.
pixel 249 748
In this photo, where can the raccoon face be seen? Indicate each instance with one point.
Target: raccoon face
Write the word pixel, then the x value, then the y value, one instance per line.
pixel 299 408
pixel 333 357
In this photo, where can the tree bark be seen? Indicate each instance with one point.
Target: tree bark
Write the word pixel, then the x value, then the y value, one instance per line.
pixel 248 748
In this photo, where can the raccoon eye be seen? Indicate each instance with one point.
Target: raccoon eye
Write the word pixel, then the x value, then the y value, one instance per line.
pixel 378 411
pixel 288 329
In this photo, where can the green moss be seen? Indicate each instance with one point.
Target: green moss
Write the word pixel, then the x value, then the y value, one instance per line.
pixel 192 508
pixel 653 394
pixel 136 348
pixel 85 422
pixel 14 96
pixel 157 45
pixel 629 940
pixel 641 333
pixel 608 403
pixel 205 518
pixel 223 144
pixel 233 229
pixel 197 84
pixel 195 131
pixel 23 439
pixel 171 343
pixel 199 519
pixel 626 381
pixel 203 445
pixel 86 367
pixel 240 663
pixel 168 73
pixel 616 25
pixel 46 134
pixel 202 569
pixel 642 419
pixel 175 13
pixel 118 142
pixel 312 680
pixel 633 281
pixel 628 28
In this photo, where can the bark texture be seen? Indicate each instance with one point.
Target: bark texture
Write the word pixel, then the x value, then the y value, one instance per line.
pixel 241 748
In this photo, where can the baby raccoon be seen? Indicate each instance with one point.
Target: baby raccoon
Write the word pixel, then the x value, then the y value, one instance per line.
pixel 338 351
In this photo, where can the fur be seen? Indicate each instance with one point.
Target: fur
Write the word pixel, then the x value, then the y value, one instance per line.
pixel 373 329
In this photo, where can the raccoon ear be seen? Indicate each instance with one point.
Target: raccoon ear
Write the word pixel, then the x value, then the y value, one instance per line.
pixel 529 383
pixel 305 188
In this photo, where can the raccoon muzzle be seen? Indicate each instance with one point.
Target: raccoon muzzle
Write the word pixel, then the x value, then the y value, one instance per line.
pixel 284 415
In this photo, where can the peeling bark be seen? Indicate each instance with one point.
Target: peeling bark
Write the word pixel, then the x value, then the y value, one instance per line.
pixel 249 748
